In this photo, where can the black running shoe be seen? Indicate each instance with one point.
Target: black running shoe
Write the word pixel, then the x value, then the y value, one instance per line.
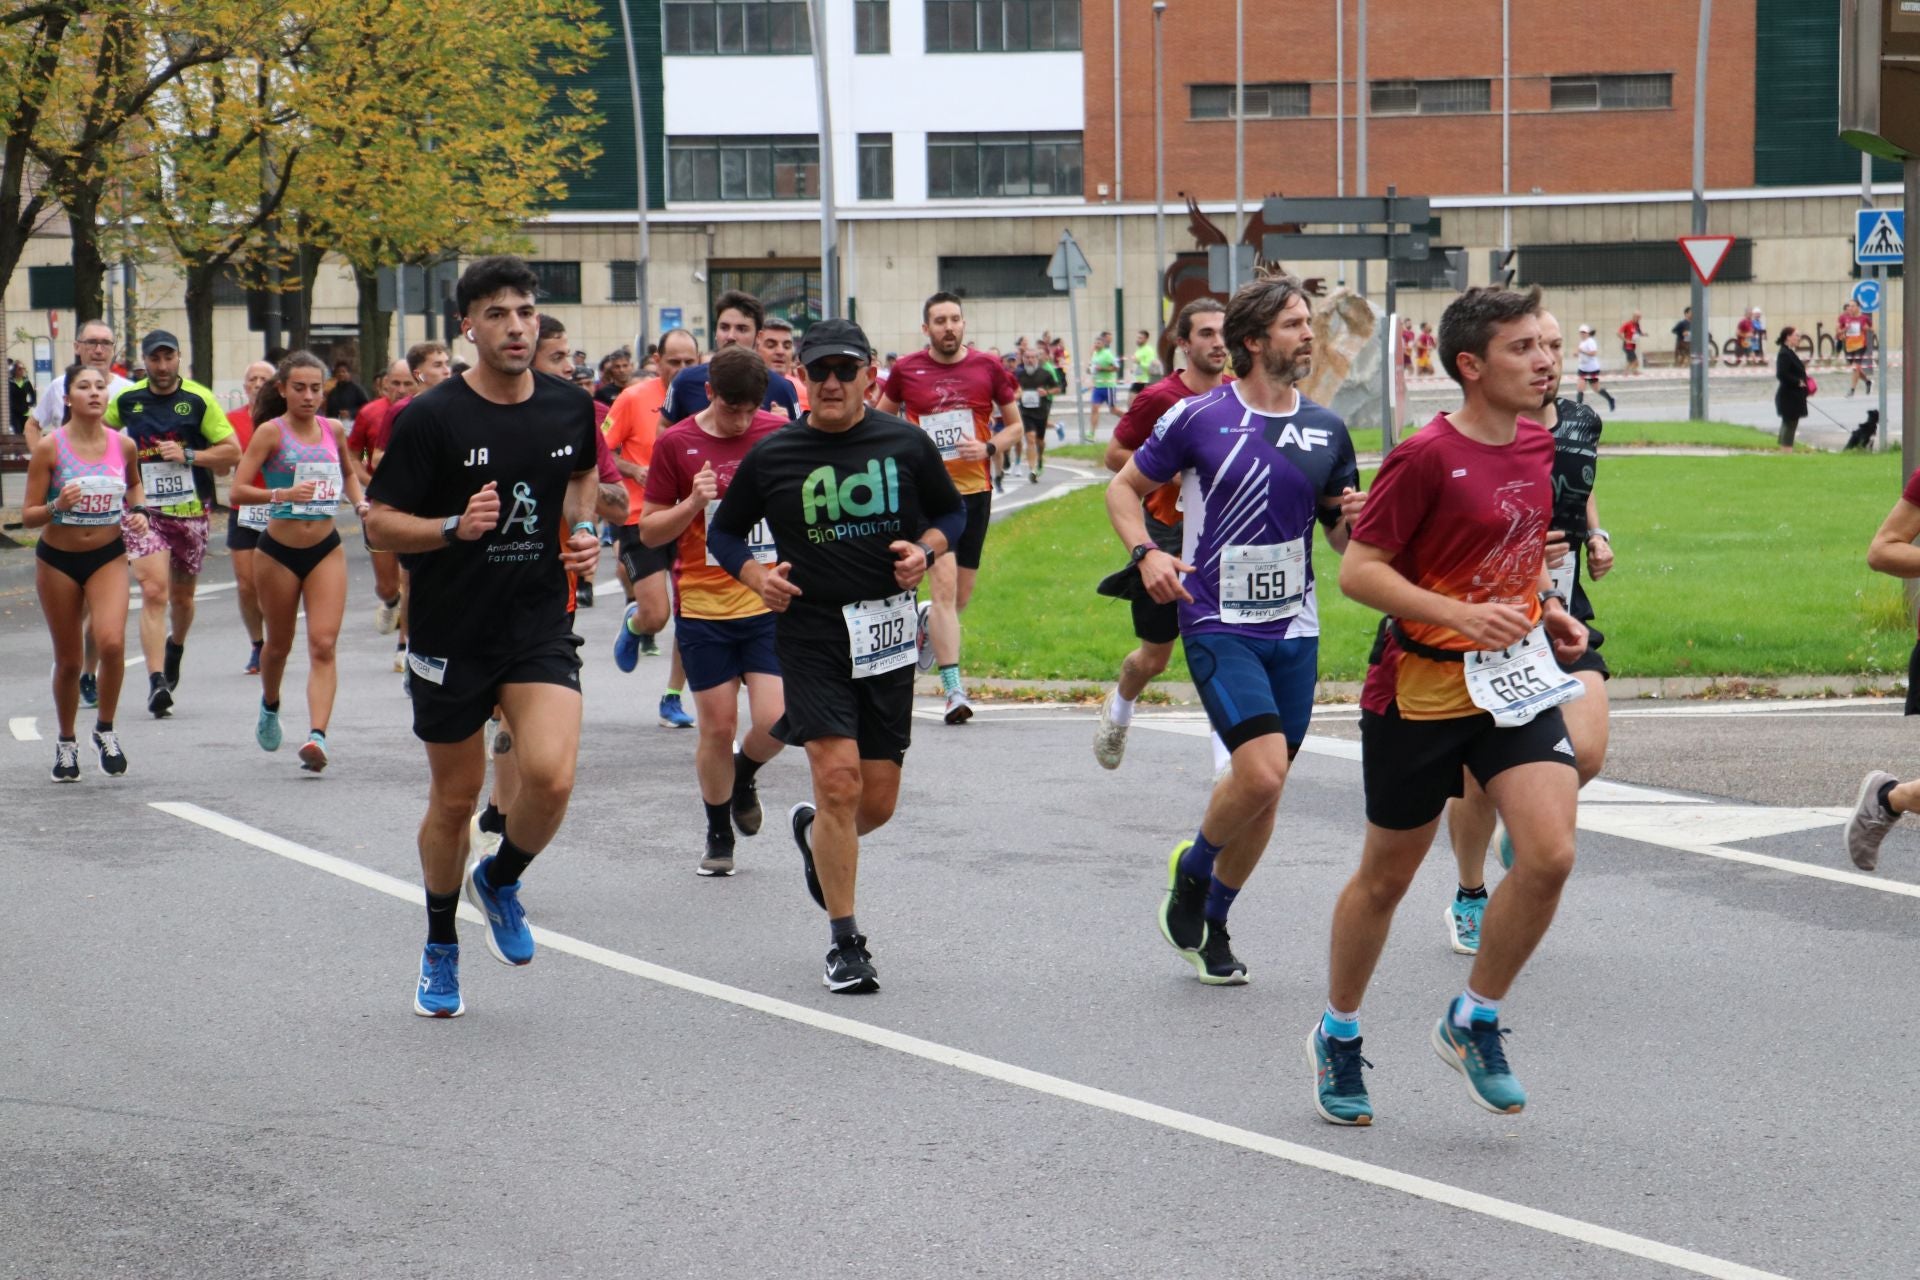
pixel 159 697
pixel 1219 967
pixel 89 690
pixel 747 814
pixel 1183 921
pixel 113 761
pixel 170 665
pixel 850 968
pixel 719 858
pixel 800 817
pixel 66 768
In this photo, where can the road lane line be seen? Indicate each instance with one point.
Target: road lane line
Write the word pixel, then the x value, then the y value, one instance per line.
pixel 1007 1073
pixel 24 729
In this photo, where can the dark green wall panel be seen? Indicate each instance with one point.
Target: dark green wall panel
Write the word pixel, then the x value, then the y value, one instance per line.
pixel 1797 98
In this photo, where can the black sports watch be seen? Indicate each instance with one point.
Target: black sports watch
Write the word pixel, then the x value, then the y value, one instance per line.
pixel 928 552
pixel 1551 594
pixel 450 530
pixel 993 449
pixel 1140 552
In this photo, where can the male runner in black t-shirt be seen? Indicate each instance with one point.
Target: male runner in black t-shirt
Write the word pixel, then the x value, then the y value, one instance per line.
pixel 483 474
pixel 859 504
pixel 1471 823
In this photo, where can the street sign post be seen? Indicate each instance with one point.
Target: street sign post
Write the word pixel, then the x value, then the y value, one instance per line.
pixel 1223 271
pixel 1402 238
pixel 1879 237
pixel 1707 254
pixel 1867 296
pixel 670 318
pixel 1069 270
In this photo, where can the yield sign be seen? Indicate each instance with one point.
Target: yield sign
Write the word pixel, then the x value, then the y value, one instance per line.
pixel 1706 253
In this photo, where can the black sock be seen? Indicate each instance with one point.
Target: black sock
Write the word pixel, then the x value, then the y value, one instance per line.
pixel 1469 895
pixel 1886 797
pixel 719 822
pixel 744 767
pixel 508 865
pixel 273 706
pixel 103 726
pixel 441 910
pixel 843 928
pixel 492 820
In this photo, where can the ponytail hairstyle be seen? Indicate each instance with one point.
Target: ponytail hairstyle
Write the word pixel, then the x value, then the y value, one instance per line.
pixel 270 401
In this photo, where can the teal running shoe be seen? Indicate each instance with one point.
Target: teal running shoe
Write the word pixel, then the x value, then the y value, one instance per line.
pixel 266 730
pixel 438 993
pixel 1339 1094
pixel 1478 1054
pixel 1463 924
pixel 509 936
pixel 1503 842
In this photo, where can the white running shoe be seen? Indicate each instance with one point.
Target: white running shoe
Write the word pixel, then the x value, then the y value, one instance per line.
pixel 959 710
pixel 1110 739
pixel 386 618
pixel 483 844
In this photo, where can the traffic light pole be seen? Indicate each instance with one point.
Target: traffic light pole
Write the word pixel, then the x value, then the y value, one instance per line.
pixel 1698 331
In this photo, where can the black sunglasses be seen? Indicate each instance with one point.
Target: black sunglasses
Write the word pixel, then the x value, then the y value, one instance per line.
pixel 842 367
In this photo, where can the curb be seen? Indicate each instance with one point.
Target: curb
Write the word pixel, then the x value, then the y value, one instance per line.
pixel 1619 689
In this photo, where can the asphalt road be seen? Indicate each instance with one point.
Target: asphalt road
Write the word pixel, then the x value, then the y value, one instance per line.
pixel 209 1067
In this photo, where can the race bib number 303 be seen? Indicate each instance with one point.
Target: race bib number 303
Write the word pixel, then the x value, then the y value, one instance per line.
pixel 882 635
pixel 1518 683
pixel 1263 583
pixel 948 430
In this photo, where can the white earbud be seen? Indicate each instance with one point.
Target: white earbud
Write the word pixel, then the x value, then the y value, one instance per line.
pixel 469 335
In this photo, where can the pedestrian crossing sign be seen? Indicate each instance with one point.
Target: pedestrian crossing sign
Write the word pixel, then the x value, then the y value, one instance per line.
pixel 1879 237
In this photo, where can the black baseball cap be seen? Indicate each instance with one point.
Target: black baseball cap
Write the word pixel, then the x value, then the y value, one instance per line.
pixel 834 338
pixel 158 340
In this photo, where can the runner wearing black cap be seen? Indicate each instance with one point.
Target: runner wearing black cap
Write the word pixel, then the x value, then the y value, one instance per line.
pixel 859 504
pixel 183 437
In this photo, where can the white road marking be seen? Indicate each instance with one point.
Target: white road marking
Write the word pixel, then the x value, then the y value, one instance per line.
pixel 1007 1073
pixel 24 729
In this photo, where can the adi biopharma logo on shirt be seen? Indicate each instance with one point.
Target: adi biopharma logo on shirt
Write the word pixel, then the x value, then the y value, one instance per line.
pixel 865 502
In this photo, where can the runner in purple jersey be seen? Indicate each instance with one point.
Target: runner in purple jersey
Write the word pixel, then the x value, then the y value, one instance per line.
pixel 1259 462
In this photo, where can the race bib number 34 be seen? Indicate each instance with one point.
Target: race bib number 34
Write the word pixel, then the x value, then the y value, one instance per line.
pixel 1263 583
pixel 326 488
pixel 1519 683
pixel 882 635
pixel 948 430
pixel 167 483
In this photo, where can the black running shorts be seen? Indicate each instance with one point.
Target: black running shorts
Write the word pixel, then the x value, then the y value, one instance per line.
pixel 454 697
pixel 1411 768
pixel 823 700
pixel 974 539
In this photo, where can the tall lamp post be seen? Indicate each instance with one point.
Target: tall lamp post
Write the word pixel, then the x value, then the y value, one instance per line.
pixel 1697 379
pixel 1159 169
pixel 643 249
pixel 829 229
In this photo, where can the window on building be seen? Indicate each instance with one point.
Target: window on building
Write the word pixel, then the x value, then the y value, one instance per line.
pixel 559 283
pixel 792 291
pixel 1000 165
pixel 623 280
pixel 876 166
pixel 872 26
pixel 1429 273
pixel 1263 101
pixel 737 26
pixel 1612 93
pixel 773 168
pixel 1429 97
pixel 1014 275
pixel 50 288
pixel 227 289
pixel 1622 262
pixel 1002 26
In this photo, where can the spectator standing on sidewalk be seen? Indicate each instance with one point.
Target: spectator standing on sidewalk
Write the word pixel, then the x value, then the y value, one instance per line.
pixel 1683 339
pixel 1790 399
pixel 21 397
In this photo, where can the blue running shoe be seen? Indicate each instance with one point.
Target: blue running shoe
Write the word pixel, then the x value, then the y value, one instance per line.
pixel 508 935
pixel 89 690
pixel 438 993
pixel 626 645
pixel 1463 924
pixel 1477 1053
pixel 266 730
pixel 1339 1094
pixel 1503 842
pixel 672 714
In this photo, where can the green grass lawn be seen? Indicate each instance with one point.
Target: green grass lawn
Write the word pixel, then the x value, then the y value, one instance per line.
pixel 1750 566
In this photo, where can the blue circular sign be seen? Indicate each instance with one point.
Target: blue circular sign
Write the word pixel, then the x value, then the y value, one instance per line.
pixel 1867 295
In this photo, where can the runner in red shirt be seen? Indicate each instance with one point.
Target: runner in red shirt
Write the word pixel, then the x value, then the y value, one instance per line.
pixel 1451 547
pixel 372 428
pixel 1200 331
pixel 952 392
pixel 1630 334
pixel 724 630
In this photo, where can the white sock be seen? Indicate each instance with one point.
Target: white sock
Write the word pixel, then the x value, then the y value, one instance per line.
pixel 1469 1001
pixel 1120 710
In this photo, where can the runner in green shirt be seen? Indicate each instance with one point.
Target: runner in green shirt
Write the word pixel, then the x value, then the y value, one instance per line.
pixel 1146 364
pixel 1106 378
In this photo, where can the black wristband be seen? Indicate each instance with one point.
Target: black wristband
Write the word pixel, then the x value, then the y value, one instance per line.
pixel 993 449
